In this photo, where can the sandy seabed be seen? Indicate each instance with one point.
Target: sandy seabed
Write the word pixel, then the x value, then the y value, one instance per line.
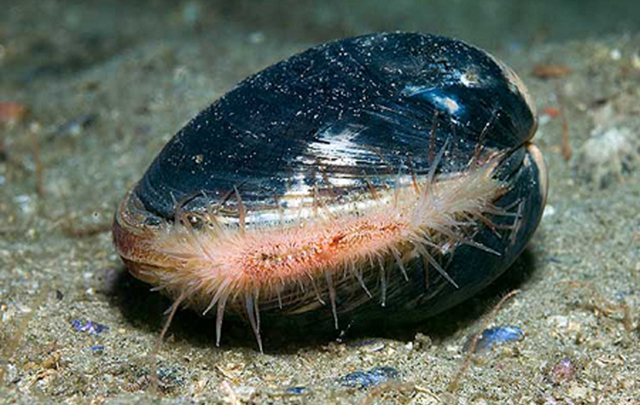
pixel 105 87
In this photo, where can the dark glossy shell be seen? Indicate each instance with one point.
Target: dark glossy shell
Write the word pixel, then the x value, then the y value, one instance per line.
pixel 389 88
pixel 351 115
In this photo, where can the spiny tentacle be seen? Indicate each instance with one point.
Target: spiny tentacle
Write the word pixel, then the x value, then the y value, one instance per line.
pixel 436 265
pixel 332 297
pixel 399 263
pixel 251 305
pixel 279 295
pixel 359 277
pixel 242 213
pixel 221 290
pixel 434 167
pixel 154 353
pixel 517 223
pixel 475 160
pixel 315 289
pixel 220 316
pixel 383 282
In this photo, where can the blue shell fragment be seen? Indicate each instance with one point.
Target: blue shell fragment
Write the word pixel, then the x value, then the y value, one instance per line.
pixel 495 336
pixel 93 328
pixel 297 390
pixel 366 379
pixel 97 348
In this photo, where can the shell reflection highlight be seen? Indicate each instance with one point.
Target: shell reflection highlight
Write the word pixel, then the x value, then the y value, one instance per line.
pixel 382 175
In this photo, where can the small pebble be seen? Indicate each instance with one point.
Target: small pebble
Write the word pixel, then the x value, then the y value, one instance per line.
pixel 563 371
pixel 549 211
pixel 547 71
pixel 11 113
pixel 257 37
pixel 422 341
pixel 366 379
pixel 25 203
pixel 635 61
pixel 75 126
pixel 607 156
pixel 191 13
pixel 616 54
pixel 93 328
pixel 297 390
pixel 552 112
pixel 495 336
pixel 370 346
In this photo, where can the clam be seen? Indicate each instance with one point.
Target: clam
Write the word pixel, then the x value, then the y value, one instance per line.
pixel 386 175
